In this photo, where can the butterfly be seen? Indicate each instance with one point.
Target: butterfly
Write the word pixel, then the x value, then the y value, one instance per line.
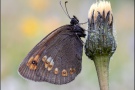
pixel 57 58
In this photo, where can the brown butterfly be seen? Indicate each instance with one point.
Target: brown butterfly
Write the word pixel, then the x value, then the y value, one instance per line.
pixel 57 58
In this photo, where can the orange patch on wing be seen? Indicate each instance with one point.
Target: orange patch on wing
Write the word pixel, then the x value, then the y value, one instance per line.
pixel 44 58
pixel 32 67
pixel 47 64
pixel 30 60
pixel 36 58
pixel 56 71
pixel 64 73
pixel 50 67
pixel 72 70
pixel 32 63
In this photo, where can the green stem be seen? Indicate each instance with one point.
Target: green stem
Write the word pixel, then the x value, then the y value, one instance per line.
pixel 102 68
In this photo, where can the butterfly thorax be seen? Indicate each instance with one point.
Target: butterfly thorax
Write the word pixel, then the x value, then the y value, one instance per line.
pixel 77 29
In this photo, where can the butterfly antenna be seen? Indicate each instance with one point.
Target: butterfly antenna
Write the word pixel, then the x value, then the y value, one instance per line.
pixel 66 9
pixel 66 12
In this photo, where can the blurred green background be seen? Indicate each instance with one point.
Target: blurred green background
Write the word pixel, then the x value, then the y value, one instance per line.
pixel 25 22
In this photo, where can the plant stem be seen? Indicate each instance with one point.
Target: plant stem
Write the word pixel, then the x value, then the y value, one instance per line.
pixel 102 68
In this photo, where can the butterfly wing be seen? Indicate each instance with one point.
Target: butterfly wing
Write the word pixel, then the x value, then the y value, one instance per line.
pixel 55 59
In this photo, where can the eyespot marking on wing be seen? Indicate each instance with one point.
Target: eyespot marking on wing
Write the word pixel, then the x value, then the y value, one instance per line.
pixel 32 62
pixel 72 70
pixel 64 73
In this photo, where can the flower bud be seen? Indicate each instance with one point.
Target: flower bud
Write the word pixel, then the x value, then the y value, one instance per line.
pixel 100 39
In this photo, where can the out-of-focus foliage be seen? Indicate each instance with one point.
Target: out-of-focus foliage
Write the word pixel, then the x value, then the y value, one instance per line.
pixel 25 22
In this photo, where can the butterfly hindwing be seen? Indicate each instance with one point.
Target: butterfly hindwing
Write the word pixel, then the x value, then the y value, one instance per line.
pixel 56 59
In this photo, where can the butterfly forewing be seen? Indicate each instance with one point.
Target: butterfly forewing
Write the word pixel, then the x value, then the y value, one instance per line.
pixel 55 59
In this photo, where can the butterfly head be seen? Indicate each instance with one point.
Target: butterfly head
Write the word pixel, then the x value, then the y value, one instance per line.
pixel 74 20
